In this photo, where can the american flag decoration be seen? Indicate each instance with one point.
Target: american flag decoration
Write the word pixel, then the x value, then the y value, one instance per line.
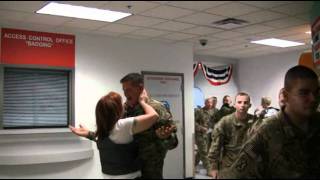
pixel 196 68
pixel 217 75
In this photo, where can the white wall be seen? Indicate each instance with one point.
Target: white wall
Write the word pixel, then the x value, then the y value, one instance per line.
pixel 231 88
pixel 264 75
pixel 100 64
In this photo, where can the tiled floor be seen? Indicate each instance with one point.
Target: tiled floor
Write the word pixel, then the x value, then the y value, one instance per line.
pixel 201 172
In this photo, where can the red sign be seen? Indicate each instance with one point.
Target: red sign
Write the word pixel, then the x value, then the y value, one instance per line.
pixel 37 48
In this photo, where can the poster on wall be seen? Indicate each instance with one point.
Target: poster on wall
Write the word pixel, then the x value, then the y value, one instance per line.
pixel 316 42
pixel 37 48
pixel 168 88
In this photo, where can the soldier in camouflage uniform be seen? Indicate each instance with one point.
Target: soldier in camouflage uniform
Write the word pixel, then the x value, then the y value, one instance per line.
pixel 286 145
pixel 203 118
pixel 229 135
pixel 213 121
pixel 226 108
pixel 153 143
pixel 156 141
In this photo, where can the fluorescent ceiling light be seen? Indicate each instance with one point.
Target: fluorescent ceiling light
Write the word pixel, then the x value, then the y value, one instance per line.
pixel 82 12
pixel 277 42
pixel 308 32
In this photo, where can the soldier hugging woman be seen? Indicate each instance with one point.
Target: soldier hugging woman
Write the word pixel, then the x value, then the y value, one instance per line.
pixel 114 136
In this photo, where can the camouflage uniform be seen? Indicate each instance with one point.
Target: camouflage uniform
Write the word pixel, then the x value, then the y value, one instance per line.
pixel 278 149
pixel 203 118
pixel 224 110
pixel 228 136
pixel 152 150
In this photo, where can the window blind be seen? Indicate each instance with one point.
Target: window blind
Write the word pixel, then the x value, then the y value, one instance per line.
pixel 35 98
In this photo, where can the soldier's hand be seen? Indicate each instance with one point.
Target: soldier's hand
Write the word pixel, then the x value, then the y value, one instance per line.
pixel 213 173
pixel 165 131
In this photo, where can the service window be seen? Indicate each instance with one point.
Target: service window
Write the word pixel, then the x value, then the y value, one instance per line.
pixel 35 98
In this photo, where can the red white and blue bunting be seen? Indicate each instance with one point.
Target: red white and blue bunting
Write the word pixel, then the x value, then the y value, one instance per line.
pixel 215 75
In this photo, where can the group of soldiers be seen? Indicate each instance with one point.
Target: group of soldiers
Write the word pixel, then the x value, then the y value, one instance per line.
pixel 283 145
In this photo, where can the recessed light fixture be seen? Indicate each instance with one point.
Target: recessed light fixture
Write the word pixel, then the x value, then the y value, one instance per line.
pixel 277 42
pixel 308 32
pixel 82 12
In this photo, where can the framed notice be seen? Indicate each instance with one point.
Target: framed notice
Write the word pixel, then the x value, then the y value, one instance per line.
pixel 22 47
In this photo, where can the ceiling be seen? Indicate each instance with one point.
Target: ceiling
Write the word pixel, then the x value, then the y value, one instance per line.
pixel 179 22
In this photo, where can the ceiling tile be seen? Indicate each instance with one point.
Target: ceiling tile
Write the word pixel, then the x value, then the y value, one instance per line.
pixel 173 26
pixel 24 6
pixel 134 36
pixel 178 36
pixel 137 20
pixel 85 24
pixel 297 37
pixel 285 22
pixel 253 29
pixel 47 19
pixel 201 19
pixel 196 5
pixel 227 34
pixel 304 16
pixel 266 4
pixel 94 4
pixel 261 16
pixel 167 12
pixel 118 28
pixel 294 8
pixel 107 33
pixel 201 30
pixel 136 6
pixel 163 40
pixel 71 30
pixel 149 32
pixel 232 9
pixel 13 15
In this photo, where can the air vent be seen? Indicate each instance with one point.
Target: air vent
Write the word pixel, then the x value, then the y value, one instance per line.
pixel 230 23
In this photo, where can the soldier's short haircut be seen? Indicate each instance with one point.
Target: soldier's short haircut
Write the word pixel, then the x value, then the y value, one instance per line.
pixel 214 98
pixel 225 98
pixel 266 100
pixel 298 72
pixel 208 99
pixel 243 94
pixel 134 78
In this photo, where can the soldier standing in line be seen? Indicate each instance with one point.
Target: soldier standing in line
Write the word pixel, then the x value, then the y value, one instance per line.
pixel 286 145
pixel 226 108
pixel 213 121
pixel 229 135
pixel 203 117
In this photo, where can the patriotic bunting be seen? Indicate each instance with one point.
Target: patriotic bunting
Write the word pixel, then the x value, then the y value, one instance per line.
pixel 195 68
pixel 215 75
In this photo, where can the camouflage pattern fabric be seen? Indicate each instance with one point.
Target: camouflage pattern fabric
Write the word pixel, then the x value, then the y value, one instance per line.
pixel 203 119
pixel 228 137
pixel 224 110
pixel 153 150
pixel 278 149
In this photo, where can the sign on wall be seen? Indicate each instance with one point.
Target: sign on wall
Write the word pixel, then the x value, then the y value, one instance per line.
pixel 37 48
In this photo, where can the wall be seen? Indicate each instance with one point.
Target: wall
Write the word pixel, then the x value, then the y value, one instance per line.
pixel 231 88
pixel 100 63
pixel 264 75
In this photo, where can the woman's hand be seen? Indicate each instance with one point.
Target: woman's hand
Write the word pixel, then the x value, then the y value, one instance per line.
pixel 81 131
pixel 143 96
